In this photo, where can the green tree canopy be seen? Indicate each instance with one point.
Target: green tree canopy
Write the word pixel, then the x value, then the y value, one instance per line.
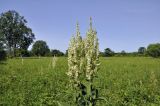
pixel 123 53
pixel 56 52
pixel 14 32
pixel 40 48
pixel 141 50
pixel 154 50
pixel 108 52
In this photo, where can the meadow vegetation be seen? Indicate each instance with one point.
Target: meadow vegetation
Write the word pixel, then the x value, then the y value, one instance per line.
pixel 120 81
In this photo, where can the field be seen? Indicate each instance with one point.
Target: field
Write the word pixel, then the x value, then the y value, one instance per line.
pixel 121 81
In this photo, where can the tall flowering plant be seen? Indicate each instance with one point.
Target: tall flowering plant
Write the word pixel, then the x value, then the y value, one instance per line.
pixel 83 64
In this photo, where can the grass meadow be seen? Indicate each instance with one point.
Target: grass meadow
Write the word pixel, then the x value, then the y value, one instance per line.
pixel 121 81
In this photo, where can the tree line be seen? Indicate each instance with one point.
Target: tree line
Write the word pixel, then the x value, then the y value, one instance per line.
pixel 16 37
pixel 40 48
pixel 152 50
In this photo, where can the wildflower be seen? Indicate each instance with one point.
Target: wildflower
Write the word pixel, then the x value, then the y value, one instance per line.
pixel 83 63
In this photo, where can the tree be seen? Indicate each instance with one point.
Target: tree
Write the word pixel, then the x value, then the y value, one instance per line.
pixel 2 52
pixel 14 32
pixel 40 48
pixel 56 52
pixel 108 52
pixel 154 50
pixel 142 50
pixel 66 53
pixel 123 53
pixel 101 54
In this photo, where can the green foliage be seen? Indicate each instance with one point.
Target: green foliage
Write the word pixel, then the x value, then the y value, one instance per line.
pixel 23 53
pixel 3 55
pixel 142 50
pixel 101 54
pixel 108 52
pixel 2 52
pixel 66 53
pixel 123 53
pixel 14 32
pixel 122 81
pixel 40 48
pixel 56 52
pixel 154 50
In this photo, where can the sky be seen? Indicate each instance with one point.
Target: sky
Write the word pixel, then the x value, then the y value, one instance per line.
pixel 120 24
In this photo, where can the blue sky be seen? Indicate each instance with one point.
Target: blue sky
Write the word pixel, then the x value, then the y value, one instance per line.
pixel 121 24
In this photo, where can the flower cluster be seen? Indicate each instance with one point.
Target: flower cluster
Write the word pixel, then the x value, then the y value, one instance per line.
pixel 83 63
pixel 83 56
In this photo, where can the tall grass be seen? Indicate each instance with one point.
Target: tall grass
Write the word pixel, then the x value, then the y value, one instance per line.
pixel 121 80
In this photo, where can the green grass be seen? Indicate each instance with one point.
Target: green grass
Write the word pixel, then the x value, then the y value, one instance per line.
pixel 121 81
